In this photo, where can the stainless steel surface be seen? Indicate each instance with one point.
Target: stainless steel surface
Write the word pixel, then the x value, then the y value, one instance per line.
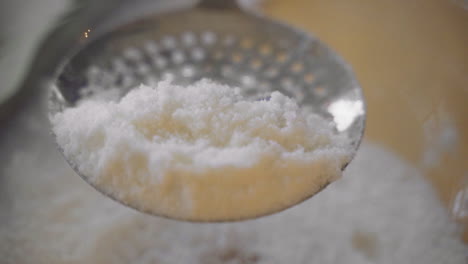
pixel 220 41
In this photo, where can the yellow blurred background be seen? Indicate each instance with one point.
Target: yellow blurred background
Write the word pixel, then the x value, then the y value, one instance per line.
pixel 411 58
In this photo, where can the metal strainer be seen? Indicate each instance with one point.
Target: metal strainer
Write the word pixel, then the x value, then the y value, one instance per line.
pixel 218 40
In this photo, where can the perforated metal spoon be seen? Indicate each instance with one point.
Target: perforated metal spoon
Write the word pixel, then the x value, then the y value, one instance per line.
pixel 218 40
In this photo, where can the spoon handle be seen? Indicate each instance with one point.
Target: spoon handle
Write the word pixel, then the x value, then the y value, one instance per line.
pixel 219 4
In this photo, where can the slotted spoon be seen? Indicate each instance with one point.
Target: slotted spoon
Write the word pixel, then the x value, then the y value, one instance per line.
pixel 216 39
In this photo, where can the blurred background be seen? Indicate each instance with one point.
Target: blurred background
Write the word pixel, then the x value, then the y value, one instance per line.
pixel 411 58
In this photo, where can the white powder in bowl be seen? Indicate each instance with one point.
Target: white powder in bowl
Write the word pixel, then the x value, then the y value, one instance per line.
pixel 201 152
pixel 382 211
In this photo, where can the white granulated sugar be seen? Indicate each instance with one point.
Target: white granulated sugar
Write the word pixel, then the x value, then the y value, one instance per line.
pixel 382 211
pixel 201 152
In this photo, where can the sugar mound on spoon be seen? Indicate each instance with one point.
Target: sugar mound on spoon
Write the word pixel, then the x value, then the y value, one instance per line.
pixel 201 152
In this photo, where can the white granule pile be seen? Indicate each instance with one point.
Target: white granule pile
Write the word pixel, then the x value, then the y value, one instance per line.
pixel 201 152
pixel 382 211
